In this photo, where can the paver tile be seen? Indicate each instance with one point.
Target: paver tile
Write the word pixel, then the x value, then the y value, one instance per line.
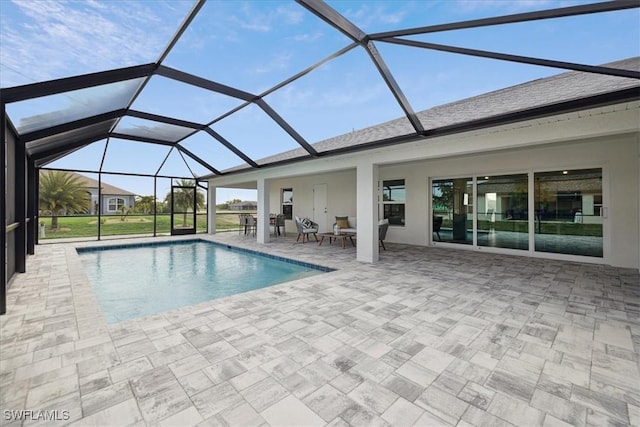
pixel 373 396
pixel 402 413
pixel 328 402
pixel 291 412
pixel 264 393
pixel 497 340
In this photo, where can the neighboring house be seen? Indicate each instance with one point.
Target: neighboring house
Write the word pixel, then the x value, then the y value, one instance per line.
pixel 113 198
pixel 243 206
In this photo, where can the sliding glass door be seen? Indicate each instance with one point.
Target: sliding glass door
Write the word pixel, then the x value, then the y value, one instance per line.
pixel 452 201
pixel 503 213
pixel 569 212
pixel 564 215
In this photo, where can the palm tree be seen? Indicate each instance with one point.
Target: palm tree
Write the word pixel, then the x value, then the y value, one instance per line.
pixel 184 198
pixel 62 193
pixel 144 204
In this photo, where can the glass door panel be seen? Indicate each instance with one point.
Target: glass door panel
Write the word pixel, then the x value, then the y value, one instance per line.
pixel 569 212
pixel 183 210
pixel 503 211
pixel 452 209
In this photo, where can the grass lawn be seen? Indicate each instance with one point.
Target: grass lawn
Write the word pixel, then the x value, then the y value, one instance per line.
pixel 546 227
pixel 112 225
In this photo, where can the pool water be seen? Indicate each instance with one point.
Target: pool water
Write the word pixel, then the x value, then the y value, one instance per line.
pixel 141 280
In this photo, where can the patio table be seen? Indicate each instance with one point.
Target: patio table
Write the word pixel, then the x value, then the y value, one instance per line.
pixel 342 237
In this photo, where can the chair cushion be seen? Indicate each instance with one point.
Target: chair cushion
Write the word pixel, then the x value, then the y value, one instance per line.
pixel 342 221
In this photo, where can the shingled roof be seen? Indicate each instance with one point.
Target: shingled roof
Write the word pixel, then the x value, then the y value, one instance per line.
pixel 535 97
pixel 107 189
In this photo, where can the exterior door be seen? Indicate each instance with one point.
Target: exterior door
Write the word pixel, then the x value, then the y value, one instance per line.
pixel 320 206
pixel 183 210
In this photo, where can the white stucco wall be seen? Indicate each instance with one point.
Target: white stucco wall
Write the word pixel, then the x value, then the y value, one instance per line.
pixel 617 155
pixel 341 195
pixel 604 137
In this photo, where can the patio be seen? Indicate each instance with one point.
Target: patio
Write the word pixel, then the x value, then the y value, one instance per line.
pixel 426 336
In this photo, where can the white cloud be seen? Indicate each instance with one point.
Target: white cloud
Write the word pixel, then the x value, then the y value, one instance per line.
pixel 499 6
pixel 373 14
pixel 280 61
pixel 257 20
pixel 289 14
pixel 43 40
pixel 308 37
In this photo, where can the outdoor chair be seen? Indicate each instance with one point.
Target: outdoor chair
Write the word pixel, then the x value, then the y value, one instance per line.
pixel 305 228
pixel 437 223
pixel 243 223
pixel 383 226
pixel 251 225
pixel 280 226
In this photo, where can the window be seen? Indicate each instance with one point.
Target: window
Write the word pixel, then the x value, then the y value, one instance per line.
pixel 287 203
pixel 503 211
pixel 393 201
pixel 568 212
pixel 115 204
pixel 452 204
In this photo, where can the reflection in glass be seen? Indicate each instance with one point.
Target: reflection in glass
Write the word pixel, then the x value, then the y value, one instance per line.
pixel 287 203
pixel 569 212
pixel 88 156
pixel 393 198
pixel 503 211
pixel 151 129
pixel 46 111
pixel 452 204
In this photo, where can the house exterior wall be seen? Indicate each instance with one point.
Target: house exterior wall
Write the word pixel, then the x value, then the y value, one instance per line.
pixel 615 154
pixel 128 200
pixel 341 195
pixel 605 137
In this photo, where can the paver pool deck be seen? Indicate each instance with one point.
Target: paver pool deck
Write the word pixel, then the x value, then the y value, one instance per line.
pixel 426 337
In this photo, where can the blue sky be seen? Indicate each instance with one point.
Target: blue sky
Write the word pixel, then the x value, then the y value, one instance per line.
pixel 254 45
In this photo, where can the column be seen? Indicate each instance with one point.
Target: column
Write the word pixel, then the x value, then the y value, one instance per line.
pixel 367 212
pixel 263 231
pixel 21 207
pixel 3 211
pixel 211 209
pixel 32 207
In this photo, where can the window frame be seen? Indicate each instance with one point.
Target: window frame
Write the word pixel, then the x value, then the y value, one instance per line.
pixel 383 203
pixel 288 204
pixel 118 206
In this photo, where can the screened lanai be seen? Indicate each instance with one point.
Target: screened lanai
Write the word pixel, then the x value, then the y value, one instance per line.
pixel 219 88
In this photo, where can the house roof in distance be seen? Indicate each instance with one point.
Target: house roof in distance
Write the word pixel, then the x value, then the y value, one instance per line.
pixel 107 189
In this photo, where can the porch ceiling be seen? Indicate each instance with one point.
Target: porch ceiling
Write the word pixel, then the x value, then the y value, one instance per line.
pixel 57 117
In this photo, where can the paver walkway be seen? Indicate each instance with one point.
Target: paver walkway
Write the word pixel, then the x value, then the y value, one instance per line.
pixel 427 337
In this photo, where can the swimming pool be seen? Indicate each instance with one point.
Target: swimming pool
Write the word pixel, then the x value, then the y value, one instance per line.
pixel 140 280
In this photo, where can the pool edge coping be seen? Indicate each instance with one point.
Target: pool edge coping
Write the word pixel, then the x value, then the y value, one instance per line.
pixel 325 269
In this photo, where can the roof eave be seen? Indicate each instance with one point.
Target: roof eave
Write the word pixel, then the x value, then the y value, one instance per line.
pixel 600 100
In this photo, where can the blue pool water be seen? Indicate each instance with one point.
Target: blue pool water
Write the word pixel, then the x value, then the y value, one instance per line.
pixel 139 280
